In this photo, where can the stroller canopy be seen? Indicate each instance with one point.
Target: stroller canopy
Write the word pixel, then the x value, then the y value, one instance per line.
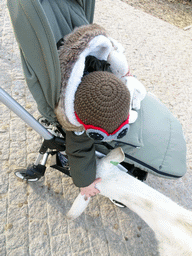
pixel 39 25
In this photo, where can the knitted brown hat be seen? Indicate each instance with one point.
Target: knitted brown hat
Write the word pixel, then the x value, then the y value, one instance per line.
pixel 102 100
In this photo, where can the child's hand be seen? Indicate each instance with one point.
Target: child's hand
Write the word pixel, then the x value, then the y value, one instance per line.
pixel 90 190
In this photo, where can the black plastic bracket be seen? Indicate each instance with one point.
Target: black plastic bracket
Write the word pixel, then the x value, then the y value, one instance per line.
pixel 56 143
pixel 36 170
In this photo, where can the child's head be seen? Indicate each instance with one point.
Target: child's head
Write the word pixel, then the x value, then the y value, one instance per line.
pixel 102 106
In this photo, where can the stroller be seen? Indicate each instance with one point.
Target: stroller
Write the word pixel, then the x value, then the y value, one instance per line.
pixel 46 23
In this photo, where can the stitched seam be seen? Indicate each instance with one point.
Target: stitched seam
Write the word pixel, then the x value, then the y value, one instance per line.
pixel 109 147
pixel 38 38
pixel 141 127
pixel 149 167
pixel 56 77
pixel 167 144
pixel 50 46
pixel 73 9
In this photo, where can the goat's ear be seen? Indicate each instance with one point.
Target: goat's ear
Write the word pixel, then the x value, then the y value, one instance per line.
pixel 116 156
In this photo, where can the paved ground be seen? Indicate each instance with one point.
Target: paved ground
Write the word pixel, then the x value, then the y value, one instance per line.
pixel 32 216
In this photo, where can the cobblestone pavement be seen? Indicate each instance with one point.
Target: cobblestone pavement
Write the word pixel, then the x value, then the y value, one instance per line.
pixel 32 216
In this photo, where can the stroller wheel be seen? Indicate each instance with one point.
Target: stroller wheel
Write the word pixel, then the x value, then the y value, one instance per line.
pixel 24 176
pixel 32 173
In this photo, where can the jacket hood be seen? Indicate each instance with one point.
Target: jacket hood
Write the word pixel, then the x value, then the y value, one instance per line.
pixel 83 41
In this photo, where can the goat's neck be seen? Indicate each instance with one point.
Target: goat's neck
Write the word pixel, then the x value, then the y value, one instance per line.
pixel 170 222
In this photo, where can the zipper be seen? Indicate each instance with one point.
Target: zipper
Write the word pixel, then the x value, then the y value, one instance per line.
pixel 141 162
pixel 150 167
pixel 125 143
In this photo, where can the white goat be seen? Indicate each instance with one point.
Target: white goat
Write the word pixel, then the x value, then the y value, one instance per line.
pixel 171 223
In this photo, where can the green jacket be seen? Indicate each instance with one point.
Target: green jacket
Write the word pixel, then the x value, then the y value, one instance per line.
pixel 154 143
pixel 38 26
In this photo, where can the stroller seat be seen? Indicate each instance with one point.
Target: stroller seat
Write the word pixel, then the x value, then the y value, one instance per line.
pixel 45 22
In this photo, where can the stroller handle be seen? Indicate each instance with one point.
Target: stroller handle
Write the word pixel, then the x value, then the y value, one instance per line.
pixel 7 100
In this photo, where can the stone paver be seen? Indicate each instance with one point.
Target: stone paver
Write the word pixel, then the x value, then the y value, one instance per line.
pixel 32 216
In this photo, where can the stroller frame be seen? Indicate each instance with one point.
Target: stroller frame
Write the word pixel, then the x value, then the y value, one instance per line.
pixel 45 23
pixel 51 143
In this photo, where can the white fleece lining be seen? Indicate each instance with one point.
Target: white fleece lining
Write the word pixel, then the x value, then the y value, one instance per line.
pixel 99 47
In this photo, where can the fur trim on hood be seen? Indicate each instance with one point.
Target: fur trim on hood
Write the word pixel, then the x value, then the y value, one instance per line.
pixel 83 41
pixel 91 40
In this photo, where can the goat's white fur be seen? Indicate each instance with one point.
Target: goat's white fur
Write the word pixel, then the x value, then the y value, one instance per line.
pixel 171 223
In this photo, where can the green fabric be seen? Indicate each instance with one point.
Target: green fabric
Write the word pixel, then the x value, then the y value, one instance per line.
pixel 81 155
pixel 114 163
pixel 38 26
pixel 158 138
pixel 88 7
pixel 157 145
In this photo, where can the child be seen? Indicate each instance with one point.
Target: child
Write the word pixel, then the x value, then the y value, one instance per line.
pixel 102 107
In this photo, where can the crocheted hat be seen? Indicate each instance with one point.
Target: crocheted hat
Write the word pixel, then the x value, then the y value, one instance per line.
pixel 102 100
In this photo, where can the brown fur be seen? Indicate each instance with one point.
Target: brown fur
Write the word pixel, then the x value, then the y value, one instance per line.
pixel 74 44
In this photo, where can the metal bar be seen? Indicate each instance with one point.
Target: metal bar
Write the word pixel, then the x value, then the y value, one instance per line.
pixel 44 160
pixel 38 160
pixel 7 100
